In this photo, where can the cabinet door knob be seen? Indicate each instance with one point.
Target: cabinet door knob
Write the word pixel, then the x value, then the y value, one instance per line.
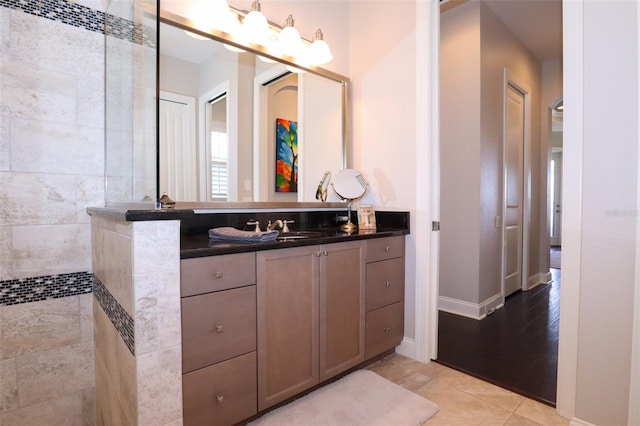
pixel 318 253
pixel 387 248
pixel 324 253
pixel 387 329
pixel 387 283
pixel 219 328
pixel 217 274
pixel 220 399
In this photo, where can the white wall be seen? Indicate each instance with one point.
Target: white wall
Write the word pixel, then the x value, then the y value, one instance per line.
pixel 476 47
pixel 460 152
pixel 382 65
pixel 609 197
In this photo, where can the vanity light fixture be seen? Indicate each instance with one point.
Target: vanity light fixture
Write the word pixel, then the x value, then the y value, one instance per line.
pixel 319 52
pixel 289 40
pixel 255 28
pixel 208 14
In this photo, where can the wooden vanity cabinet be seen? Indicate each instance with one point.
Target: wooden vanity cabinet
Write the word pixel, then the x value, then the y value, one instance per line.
pixel 219 381
pixel 310 317
pixel 384 295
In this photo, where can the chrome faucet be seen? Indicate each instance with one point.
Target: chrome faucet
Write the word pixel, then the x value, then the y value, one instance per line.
pixel 283 224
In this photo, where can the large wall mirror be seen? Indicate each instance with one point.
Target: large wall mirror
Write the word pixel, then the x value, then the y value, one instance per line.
pixel 232 125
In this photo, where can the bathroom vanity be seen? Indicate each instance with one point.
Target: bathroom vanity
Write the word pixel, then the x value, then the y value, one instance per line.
pixel 237 328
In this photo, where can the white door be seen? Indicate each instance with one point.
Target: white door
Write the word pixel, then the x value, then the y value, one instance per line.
pixel 555 199
pixel 514 188
pixel 178 148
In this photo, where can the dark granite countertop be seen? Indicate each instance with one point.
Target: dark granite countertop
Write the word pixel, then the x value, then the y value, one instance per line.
pixel 197 218
pixel 201 245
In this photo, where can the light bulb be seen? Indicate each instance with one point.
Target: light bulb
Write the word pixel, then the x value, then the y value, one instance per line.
pixel 319 51
pixel 255 28
pixel 289 41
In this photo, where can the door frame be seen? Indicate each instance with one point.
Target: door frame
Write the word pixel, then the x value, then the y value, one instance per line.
pixel 428 192
pixel 510 79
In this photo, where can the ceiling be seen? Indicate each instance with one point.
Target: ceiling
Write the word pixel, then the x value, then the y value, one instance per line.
pixel 536 23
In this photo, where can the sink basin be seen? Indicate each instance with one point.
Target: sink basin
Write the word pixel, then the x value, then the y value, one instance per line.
pixel 297 235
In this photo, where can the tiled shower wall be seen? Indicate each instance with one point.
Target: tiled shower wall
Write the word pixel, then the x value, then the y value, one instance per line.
pixel 51 169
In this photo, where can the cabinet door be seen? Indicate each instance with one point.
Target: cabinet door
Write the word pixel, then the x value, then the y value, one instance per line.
pixel 342 307
pixel 287 323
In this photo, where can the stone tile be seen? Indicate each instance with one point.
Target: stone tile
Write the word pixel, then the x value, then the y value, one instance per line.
pixel 53 45
pixel 460 408
pixel 90 192
pixel 46 375
pixel 9 385
pixel 6 248
pixel 39 326
pixel 156 246
pixel 541 413
pixel 115 374
pixel 28 92
pixel 56 148
pixel 516 420
pixel 112 264
pixel 91 87
pixel 160 387
pixel 482 390
pixel 85 303
pixel 66 410
pixel 88 406
pixel 5 139
pixel 157 310
pixel 32 198
pixel 5 34
pixel 52 249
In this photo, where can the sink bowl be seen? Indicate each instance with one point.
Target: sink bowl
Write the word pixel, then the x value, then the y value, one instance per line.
pixel 297 235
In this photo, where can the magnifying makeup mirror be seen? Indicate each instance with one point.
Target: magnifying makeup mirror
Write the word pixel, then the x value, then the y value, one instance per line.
pixel 349 185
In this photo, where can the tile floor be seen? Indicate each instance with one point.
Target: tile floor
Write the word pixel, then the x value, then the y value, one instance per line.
pixel 464 400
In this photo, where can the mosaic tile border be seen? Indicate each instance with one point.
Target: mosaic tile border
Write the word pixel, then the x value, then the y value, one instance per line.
pixel 120 319
pixel 84 17
pixel 35 289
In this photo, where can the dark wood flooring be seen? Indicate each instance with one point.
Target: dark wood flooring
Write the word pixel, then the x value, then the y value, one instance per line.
pixel 516 347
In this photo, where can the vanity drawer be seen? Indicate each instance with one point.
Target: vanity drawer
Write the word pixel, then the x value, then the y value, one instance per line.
pixel 222 394
pixel 384 283
pixel 385 248
pixel 218 326
pixel 384 329
pixel 214 273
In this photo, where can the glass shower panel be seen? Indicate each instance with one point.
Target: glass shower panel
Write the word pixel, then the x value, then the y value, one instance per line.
pixel 130 109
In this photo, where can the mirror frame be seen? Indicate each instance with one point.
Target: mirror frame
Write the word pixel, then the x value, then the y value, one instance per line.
pixel 186 24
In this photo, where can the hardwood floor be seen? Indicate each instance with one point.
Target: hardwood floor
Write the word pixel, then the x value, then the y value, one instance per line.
pixel 516 347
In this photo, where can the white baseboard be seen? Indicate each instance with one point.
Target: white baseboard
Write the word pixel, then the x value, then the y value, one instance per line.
pixel 537 279
pixel 578 422
pixel 470 310
pixel 407 348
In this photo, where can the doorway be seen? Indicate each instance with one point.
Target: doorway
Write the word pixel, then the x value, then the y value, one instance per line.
pixel 477 273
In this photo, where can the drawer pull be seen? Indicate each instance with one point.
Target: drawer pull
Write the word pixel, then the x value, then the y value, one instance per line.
pixel 220 399
pixel 387 330
pixel 217 274
pixel 219 328
pixel 387 283
pixel 387 248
